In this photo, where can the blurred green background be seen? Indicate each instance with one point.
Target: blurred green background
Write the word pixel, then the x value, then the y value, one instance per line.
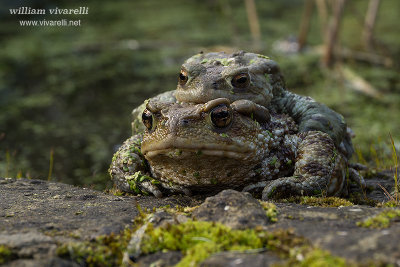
pixel 66 93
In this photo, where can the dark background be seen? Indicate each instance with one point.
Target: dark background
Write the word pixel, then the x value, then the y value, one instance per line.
pixel 66 93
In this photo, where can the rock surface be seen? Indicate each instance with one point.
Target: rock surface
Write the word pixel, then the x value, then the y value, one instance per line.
pixel 240 259
pixel 37 216
pixel 232 208
pixel 335 230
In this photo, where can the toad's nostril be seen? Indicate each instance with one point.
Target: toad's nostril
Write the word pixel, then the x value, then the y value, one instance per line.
pixel 184 122
pixel 214 85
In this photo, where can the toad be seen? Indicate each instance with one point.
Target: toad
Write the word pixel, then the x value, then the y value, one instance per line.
pixel 242 75
pixel 242 145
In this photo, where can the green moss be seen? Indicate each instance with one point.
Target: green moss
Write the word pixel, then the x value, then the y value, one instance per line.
pixel 5 254
pixel 114 191
pixel 198 240
pixel 103 251
pixel 271 210
pixel 381 220
pixel 318 258
pixel 320 201
pixel 389 204
pixel 106 250
pixel 360 199
pixel 325 201
pixel 186 211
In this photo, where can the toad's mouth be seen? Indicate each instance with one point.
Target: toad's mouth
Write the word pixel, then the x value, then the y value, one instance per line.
pixel 180 153
pixel 183 148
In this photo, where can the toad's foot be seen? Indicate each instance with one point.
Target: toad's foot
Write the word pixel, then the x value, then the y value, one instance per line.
pixel 287 186
pixel 355 176
pixel 177 189
pixel 299 186
pixel 294 186
pixel 319 170
pixel 137 183
pixel 143 184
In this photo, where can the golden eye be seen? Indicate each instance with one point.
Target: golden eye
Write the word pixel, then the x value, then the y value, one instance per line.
pixel 221 116
pixel 147 119
pixel 241 80
pixel 183 77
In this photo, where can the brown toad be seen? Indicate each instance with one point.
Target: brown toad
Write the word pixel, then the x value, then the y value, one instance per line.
pixel 242 75
pixel 209 147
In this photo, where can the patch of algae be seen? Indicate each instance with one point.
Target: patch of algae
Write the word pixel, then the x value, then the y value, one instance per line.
pixel 197 240
pixel 105 250
pixel 389 204
pixel 5 254
pixel 270 210
pixel 319 201
pixel 360 199
pixel 115 191
pixel 381 220
pixel 317 258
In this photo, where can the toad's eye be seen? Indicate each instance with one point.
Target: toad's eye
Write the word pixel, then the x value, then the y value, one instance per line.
pixel 241 80
pixel 221 116
pixel 147 119
pixel 183 77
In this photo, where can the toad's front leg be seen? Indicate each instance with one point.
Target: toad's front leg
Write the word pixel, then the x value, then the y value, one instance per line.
pixel 319 169
pixel 129 169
